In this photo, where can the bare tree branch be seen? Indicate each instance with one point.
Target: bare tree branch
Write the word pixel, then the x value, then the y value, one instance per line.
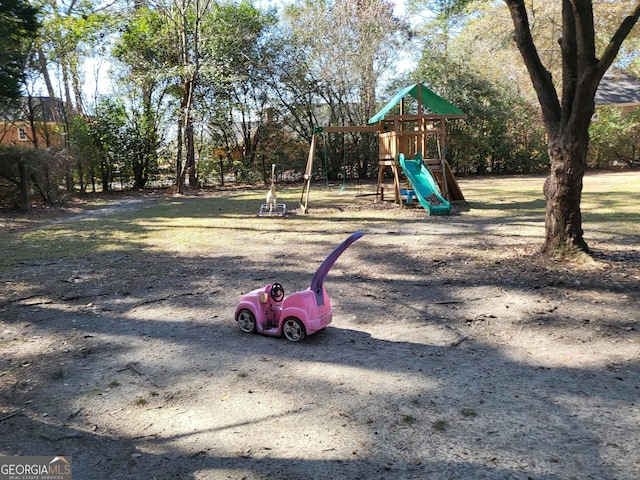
pixel 540 76
pixel 621 34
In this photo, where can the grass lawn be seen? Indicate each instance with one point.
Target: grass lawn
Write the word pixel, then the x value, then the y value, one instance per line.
pixel 180 224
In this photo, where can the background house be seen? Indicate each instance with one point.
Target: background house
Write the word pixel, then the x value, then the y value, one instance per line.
pixel 619 89
pixel 33 122
pixel 615 129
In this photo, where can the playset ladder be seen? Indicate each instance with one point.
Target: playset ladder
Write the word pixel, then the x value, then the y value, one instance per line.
pixel 447 183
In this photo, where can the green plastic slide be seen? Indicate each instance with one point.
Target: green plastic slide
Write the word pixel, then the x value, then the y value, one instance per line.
pixel 424 186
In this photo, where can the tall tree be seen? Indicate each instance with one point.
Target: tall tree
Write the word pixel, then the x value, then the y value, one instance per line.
pixel 18 24
pixel 443 19
pixel 348 46
pixel 567 118
pixel 234 78
pixel 72 30
pixel 145 51
pixel 465 61
pixel 206 45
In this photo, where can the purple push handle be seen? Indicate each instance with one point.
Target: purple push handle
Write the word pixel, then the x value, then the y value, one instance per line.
pixel 318 278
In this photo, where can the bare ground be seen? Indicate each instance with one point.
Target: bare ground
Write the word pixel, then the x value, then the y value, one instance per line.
pixel 456 352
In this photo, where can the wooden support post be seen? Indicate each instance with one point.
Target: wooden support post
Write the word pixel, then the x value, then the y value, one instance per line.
pixel 396 182
pixel 382 165
pixel 442 153
pixel 24 186
pixel 304 198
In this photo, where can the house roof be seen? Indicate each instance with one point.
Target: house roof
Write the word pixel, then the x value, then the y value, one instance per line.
pixel 617 88
pixel 430 100
pixel 44 109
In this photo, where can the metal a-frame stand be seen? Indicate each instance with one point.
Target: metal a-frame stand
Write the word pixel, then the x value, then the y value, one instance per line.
pixel 271 207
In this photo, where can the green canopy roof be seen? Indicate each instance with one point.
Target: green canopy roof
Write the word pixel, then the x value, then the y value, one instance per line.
pixel 430 99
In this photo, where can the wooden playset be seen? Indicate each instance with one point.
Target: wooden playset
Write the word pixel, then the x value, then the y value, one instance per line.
pixel 416 129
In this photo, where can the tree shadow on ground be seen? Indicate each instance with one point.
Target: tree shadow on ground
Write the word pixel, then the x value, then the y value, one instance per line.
pixel 538 424
pixel 421 397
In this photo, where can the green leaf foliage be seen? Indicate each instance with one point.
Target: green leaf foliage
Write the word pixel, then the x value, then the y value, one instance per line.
pixel 19 25
pixel 614 138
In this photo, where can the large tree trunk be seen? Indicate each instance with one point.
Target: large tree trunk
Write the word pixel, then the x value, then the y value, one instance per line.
pixel 44 69
pixel 563 192
pixel 567 122
pixel 179 156
pixel 191 154
pixel 77 89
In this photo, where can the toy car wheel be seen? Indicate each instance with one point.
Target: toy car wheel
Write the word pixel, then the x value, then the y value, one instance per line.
pixel 246 321
pixel 293 329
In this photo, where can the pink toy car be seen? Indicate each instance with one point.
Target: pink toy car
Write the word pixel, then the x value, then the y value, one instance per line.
pixel 300 314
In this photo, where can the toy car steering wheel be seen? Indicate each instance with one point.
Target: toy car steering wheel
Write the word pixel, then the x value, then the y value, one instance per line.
pixel 277 292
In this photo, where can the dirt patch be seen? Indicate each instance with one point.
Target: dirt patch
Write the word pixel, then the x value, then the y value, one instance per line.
pixel 456 352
